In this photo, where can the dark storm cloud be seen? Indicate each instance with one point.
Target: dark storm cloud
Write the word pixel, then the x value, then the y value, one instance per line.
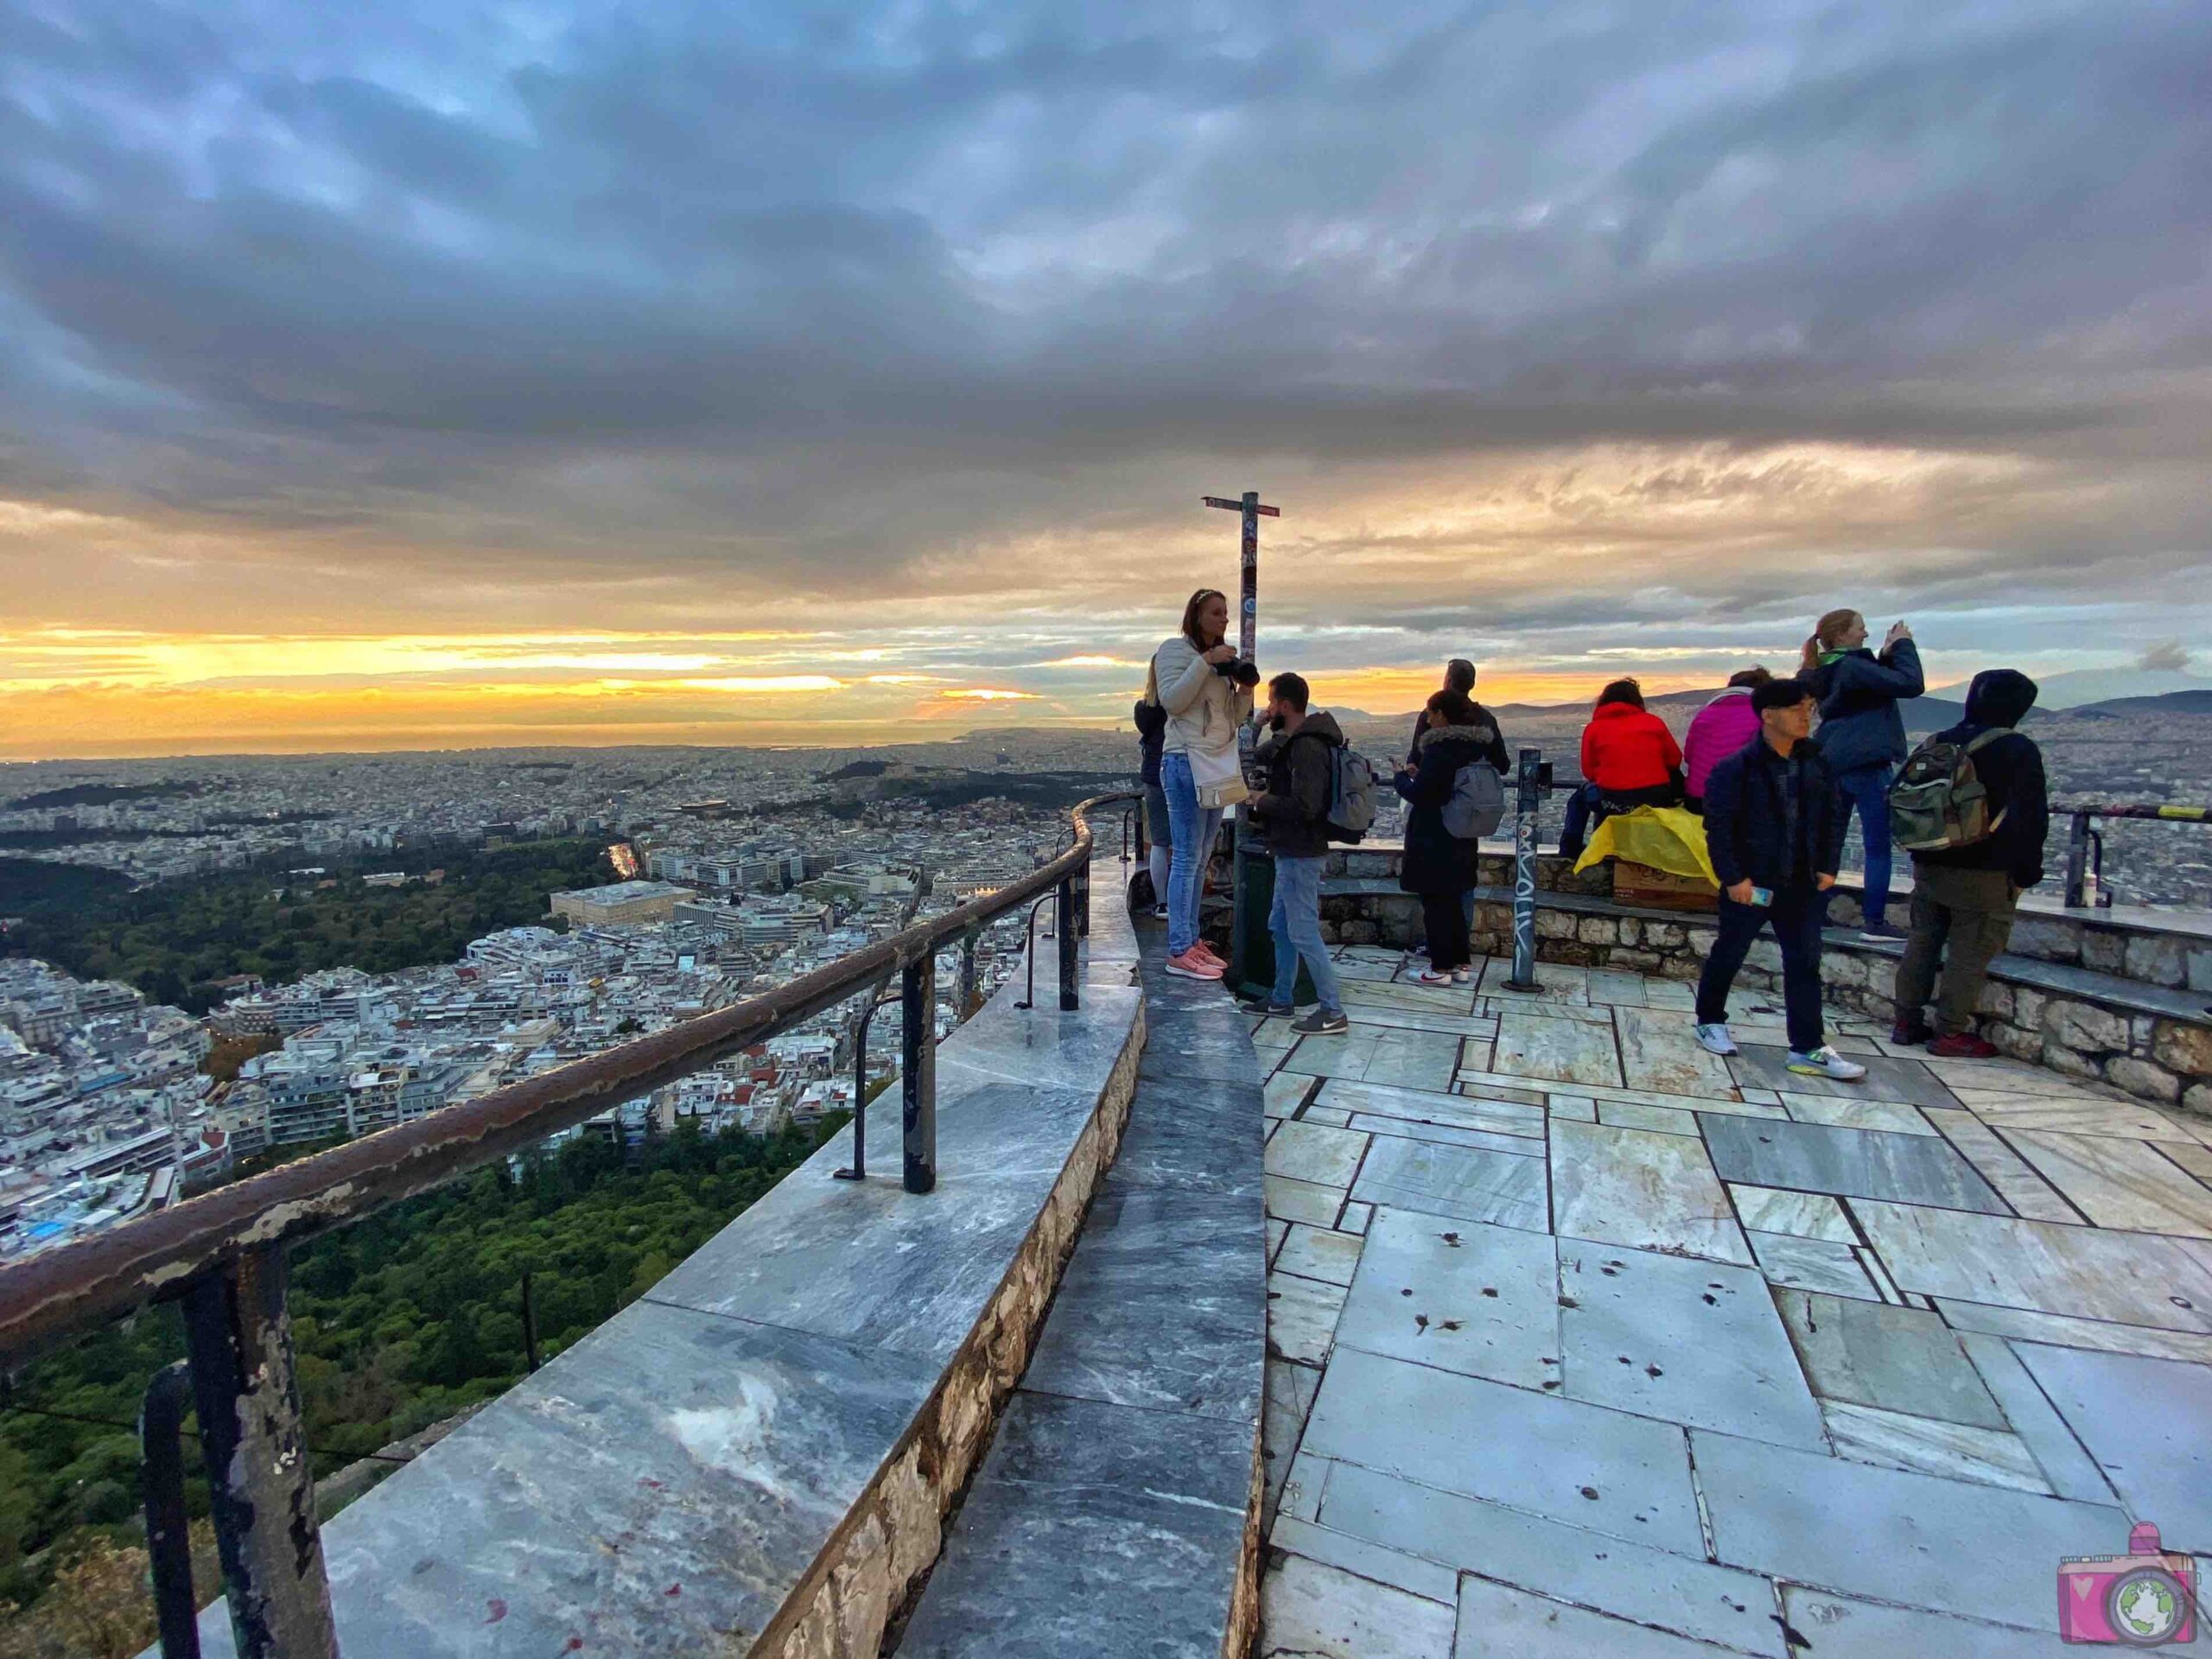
pixel 820 289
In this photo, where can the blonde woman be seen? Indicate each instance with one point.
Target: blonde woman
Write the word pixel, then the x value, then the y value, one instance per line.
pixel 1862 734
pixel 1206 693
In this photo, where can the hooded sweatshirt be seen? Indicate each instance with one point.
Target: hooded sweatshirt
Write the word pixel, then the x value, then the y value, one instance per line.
pixel 2010 767
pixel 1721 728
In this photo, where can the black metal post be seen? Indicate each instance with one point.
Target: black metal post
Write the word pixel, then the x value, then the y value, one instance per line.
pixel 918 1070
pixel 531 1356
pixel 1066 908
pixel 1529 797
pixel 968 975
pixel 168 1539
pixel 239 1336
pixel 2077 860
pixel 1029 949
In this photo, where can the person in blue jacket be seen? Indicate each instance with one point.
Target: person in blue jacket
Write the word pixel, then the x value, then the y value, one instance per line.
pixel 1862 734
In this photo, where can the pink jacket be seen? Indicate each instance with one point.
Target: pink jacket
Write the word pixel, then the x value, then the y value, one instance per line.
pixel 1722 726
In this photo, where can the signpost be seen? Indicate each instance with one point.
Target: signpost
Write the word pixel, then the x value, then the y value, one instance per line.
pixel 1248 622
pixel 1528 799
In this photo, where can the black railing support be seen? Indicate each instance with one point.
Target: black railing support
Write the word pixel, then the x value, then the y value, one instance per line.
pixel 1067 931
pixel 858 1170
pixel 530 1356
pixel 1529 797
pixel 918 1070
pixel 968 975
pixel 1029 949
pixel 2077 860
pixel 169 1537
pixel 239 1336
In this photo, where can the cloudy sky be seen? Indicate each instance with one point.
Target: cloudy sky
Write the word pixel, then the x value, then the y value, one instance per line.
pixel 439 374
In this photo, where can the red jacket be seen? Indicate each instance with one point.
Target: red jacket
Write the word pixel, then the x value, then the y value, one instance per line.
pixel 1627 747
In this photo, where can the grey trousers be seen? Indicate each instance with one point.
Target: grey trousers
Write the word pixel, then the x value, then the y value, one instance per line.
pixel 1960 920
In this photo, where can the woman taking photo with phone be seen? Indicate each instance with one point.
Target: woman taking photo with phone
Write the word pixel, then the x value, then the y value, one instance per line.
pixel 1862 734
pixel 1207 691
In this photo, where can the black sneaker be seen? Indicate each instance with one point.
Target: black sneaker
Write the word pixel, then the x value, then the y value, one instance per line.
pixel 1264 1005
pixel 1322 1023
pixel 1882 933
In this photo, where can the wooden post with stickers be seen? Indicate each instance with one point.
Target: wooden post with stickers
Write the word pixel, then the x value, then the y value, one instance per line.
pixel 1248 622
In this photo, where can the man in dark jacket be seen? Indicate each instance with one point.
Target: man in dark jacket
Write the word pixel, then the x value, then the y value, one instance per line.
pixel 1151 729
pixel 1293 810
pixel 1963 897
pixel 1438 866
pixel 1862 734
pixel 1774 825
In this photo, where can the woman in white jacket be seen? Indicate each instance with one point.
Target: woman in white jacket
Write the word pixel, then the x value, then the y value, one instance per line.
pixel 1197 676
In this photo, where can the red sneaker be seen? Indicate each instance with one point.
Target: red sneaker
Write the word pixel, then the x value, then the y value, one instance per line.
pixel 1962 1045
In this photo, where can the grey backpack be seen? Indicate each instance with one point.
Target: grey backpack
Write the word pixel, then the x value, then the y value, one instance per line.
pixel 1477 804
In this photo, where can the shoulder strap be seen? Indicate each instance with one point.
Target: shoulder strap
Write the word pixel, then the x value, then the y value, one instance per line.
pixel 1989 736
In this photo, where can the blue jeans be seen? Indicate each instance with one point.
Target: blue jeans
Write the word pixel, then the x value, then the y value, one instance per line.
pixel 1295 924
pixel 1194 829
pixel 1867 788
pixel 1575 828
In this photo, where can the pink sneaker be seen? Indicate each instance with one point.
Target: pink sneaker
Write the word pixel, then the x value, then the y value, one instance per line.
pixel 1206 952
pixel 1192 965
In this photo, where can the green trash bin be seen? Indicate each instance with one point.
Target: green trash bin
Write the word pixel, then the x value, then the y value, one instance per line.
pixel 1252 948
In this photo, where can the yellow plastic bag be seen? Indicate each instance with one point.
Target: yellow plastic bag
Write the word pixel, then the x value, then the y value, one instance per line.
pixel 1664 837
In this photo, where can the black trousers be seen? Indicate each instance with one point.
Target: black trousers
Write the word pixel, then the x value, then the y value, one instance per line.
pixel 1444 917
pixel 1798 915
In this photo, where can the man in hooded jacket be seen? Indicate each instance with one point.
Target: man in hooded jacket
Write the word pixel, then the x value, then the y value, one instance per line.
pixel 1963 898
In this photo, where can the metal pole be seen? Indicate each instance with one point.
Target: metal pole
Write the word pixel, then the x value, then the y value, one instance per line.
pixel 918 1070
pixel 168 1540
pixel 1067 944
pixel 968 975
pixel 2077 861
pixel 531 1356
pixel 263 1483
pixel 1248 640
pixel 1528 798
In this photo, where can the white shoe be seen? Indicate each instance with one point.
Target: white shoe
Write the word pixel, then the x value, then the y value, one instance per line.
pixel 1715 1039
pixel 1825 1062
pixel 1463 975
pixel 1430 976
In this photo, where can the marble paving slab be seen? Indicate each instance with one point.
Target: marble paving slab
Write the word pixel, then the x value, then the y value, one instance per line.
pixel 1663 1120
pixel 1816 1264
pixel 1290 1200
pixel 1430 999
pixel 1160 1305
pixel 1646 1190
pixel 1531 1046
pixel 1841 1627
pixel 1355 1218
pixel 1447 1135
pixel 1658 1051
pixel 1557 981
pixel 2069 1471
pixel 2060 1331
pixel 1898 1359
pixel 1204 1135
pixel 1690 1597
pixel 2126 1120
pixel 1364 1558
pixel 1616 990
pixel 1834 1524
pixel 1319 1253
pixel 1463 1182
pixel 1317 1612
pixel 1300 1492
pixel 2091 1273
pixel 1390 1019
pixel 1853 1163
pixel 1805 1215
pixel 1624 1476
pixel 1301 1318
pixel 1884 1114
pixel 1683 1340
pixel 1575 1108
pixel 1495 1619
pixel 1434 1106
pixel 2148 1423
pixel 2012 1176
pixel 1284 1092
pixel 1908 1081
pixel 2118 1183
pixel 1310 1152
pixel 1472 1082
pixel 1484 1299
pixel 1344 1055
pixel 1290 1391
pixel 1891 1440
pixel 1085 1518
pixel 1414 1060
pixel 2196 1160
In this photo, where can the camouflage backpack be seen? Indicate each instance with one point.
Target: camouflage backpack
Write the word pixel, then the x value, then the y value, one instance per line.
pixel 1938 801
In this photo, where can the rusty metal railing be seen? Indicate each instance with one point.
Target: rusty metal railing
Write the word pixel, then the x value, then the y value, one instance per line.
pixel 225 1256
pixel 2085 846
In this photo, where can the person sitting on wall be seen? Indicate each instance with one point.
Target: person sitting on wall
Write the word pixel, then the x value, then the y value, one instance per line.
pixel 1629 760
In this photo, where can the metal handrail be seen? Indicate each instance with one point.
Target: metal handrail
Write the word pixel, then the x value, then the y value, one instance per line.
pixel 225 1256
pixel 2085 847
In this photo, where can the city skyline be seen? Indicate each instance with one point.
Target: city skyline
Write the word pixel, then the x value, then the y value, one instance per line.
pixel 454 378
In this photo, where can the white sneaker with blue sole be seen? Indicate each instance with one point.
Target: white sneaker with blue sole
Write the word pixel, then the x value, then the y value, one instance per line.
pixel 1715 1038
pixel 1825 1062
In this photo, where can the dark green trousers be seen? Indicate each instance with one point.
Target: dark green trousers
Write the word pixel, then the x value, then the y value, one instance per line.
pixel 1960 920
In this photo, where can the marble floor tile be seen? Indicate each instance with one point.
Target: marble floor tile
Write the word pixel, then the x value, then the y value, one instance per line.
pixel 1472 1082
pixel 1364 1558
pixel 2102 1336
pixel 1355 1219
pixel 1531 1046
pixel 1840 1627
pixel 1618 990
pixel 1494 1086
pixel 1309 1151
pixel 1325 1117
pixel 2123 1120
pixel 2115 1183
pixel 1806 1215
pixel 1342 1055
pixel 1456 1181
pixel 1813 1264
pixel 1290 1200
pixel 1452 1025
pixel 1908 1081
pixel 1835 1524
pixel 2137 1278
pixel 1285 1092
pixel 2192 1157
pixel 1290 1392
pixel 1434 1106
pixel 1300 1493
pixel 2148 1423
pixel 1683 1340
pixel 1557 981
pixel 1659 1052
pixel 1624 1476
pixel 1495 1619
pixel 1428 999
pixel 1896 1359
pixel 2013 1177
pixel 1690 1597
pixel 1891 1440
pixel 1192 1134
pixel 1373 970
pixel 1646 1190
pixel 1573 1108
pixel 1277 1231
pixel 1414 1060
pixel 1884 1115
pixel 1319 1253
pixel 2068 1470
pixel 1316 1611
pixel 1590 1013
pixel 1853 1163
pixel 1663 1120
pixel 1450 1135
pixel 1301 1318
pixel 1669 994
pixel 1484 1299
